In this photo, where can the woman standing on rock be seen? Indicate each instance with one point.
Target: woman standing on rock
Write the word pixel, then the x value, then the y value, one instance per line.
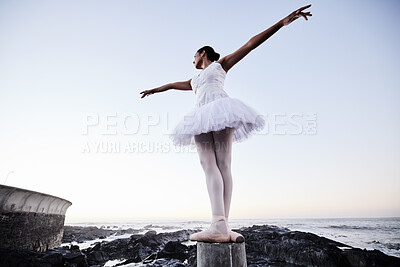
pixel 217 121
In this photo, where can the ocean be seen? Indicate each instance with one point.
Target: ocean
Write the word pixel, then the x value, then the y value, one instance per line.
pixel 366 233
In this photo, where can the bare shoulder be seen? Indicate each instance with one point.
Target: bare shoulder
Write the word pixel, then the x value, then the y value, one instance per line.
pixel 228 61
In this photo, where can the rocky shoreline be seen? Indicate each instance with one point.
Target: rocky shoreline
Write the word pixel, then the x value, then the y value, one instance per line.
pixel 265 246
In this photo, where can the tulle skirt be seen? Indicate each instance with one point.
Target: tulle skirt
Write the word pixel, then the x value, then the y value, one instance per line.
pixel 217 115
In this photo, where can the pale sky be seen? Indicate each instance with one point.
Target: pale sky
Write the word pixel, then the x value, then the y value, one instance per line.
pixel 73 124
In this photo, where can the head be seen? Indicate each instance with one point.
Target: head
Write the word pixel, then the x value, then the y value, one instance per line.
pixel 203 54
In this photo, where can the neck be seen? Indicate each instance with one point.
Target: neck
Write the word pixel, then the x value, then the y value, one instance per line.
pixel 206 63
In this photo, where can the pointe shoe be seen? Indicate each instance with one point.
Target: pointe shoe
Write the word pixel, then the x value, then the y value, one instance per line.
pixel 236 237
pixel 212 235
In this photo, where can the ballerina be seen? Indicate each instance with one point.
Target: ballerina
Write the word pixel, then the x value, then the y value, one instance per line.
pixel 216 122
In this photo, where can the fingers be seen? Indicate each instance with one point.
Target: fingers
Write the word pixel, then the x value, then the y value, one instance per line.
pixel 298 13
pixel 306 14
pixel 304 7
pixel 145 93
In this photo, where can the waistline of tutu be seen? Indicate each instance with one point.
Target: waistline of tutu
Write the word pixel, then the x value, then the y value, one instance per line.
pixel 210 97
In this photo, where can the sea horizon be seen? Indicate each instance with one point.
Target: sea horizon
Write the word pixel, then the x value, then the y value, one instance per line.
pixel 75 221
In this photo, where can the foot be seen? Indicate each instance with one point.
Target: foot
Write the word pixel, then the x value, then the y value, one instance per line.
pixel 217 233
pixel 236 237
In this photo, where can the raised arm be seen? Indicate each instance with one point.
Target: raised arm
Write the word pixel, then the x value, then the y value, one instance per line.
pixel 185 85
pixel 230 60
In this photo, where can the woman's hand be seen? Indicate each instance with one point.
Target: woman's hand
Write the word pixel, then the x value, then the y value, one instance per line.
pixel 295 15
pixel 148 92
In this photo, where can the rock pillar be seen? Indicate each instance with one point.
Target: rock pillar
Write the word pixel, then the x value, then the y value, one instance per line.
pixel 221 254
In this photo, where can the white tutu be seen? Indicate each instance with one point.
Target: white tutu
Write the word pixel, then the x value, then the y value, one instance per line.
pixel 215 110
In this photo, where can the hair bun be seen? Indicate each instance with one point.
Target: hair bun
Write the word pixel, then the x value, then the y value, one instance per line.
pixel 211 54
pixel 216 56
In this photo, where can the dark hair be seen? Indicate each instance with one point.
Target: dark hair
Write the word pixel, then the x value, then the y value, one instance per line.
pixel 211 54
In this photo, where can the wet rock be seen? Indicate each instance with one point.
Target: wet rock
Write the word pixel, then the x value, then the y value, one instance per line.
pixel 140 248
pixel 76 258
pixel 97 257
pixel 265 246
pixel 363 257
pixel 18 258
pixel 174 250
pixel 53 258
pixel 280 246
pixel 62 256
pixel 81 234
pixel 166 263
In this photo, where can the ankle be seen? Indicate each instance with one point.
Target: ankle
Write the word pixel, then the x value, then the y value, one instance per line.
pixel 227 224
pixel 220 226
pixel 217 218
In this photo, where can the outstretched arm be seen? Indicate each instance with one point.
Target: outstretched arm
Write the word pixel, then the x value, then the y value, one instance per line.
pixel 230 60
pixel 177 85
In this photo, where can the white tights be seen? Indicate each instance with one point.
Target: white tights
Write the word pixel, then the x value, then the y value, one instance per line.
pixel 215 149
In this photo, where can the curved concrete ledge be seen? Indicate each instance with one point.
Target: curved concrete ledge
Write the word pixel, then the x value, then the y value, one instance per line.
pixel 13 199
pixel 30 220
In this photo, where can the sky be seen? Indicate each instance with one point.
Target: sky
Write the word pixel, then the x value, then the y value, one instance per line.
pixel 73 124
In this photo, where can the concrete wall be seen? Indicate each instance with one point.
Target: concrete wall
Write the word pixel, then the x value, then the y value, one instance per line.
pixel 30 220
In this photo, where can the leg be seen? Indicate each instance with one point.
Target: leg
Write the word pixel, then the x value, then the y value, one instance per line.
pixel 218 230
pixel 223 151
pixel 205 149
